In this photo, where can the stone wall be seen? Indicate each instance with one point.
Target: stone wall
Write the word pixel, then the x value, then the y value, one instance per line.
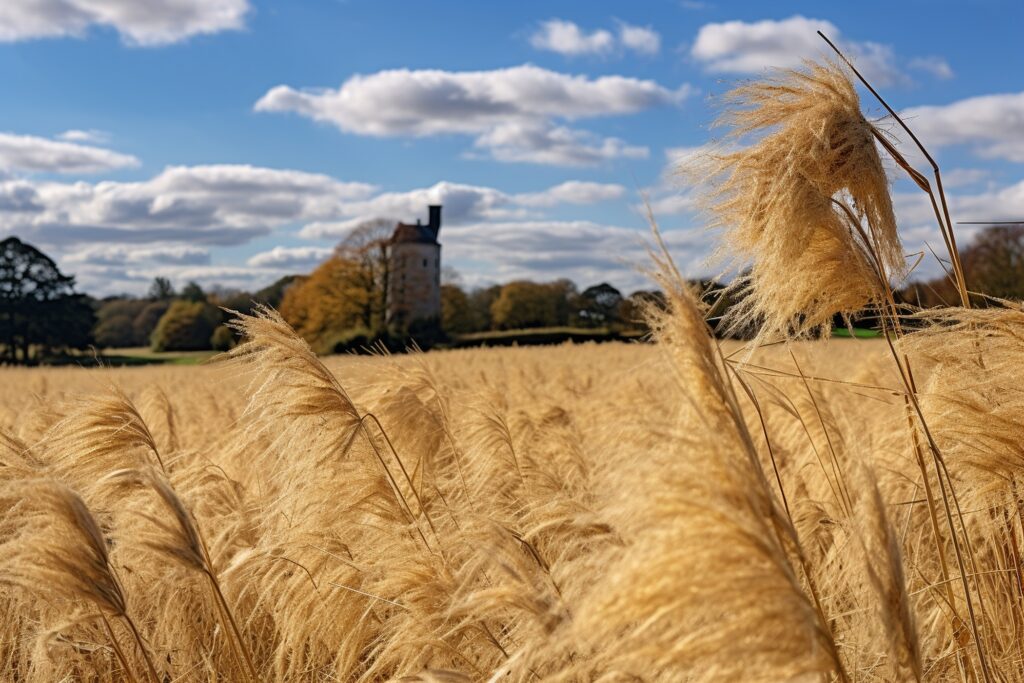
pixel 414 288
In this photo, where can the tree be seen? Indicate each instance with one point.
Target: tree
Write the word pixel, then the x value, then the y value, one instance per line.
pixel 366 246
pixel 114 332
pixel 328 304
pixel 993 265
pixel 161 289
pixel 523 304
pixel 186 326
pixel 480 302
pixel 193 292
pixel 274 294
pixel 456 314
pixel 147 319
pixel 994 262
pixel 597 306
pixel 39 309
pixel 115 323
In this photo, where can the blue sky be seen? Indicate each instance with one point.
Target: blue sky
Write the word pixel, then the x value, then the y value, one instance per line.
pixel 232 141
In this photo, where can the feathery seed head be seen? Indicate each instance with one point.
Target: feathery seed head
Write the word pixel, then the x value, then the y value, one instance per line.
pixel 806 203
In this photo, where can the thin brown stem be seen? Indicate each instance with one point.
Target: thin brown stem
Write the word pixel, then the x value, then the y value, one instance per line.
pixel 243 651
pixel 118 652
pixel 142 647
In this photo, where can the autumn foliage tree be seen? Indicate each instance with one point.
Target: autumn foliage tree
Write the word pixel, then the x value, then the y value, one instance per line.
pixel 366 247
pixel 524 304
pixel 186 326
pixel 329 304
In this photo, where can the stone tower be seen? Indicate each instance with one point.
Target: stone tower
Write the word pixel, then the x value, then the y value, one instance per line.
pixel 414 283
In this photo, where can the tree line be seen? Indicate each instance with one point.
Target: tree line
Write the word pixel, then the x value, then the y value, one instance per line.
pixel 994 267
pixel 168 320
pixel 342 304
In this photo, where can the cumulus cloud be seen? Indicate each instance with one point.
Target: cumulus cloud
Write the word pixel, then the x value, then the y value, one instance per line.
pixel 18 197
pixel 567 38
pixel 324 230
pixel 221 204
pixel 428 102
pixel 751 47
pixel 541 143
pixel 123 255
pixel 107 280
pixel 584 251
pixel 572 192
pixel 31 154
pixel 992 125
pixel 642 39
pixel 290 258
pixel 139 22
pixel 510 111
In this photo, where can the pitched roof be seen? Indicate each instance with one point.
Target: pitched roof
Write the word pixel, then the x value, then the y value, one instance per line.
pixel 418 233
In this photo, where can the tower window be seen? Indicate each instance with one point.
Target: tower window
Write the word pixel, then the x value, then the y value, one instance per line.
pixel 424 263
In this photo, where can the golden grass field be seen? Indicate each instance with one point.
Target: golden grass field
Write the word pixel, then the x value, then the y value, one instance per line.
pixel 538 521
pixel 839 510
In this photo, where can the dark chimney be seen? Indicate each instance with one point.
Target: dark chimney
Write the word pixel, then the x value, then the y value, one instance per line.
pixel 435 219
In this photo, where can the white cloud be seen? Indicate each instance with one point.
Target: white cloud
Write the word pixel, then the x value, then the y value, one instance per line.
pixel 107 280
pixel 565 37
pixel 671 195
pixel 669 204
pixel 584 251
pixel 936 66
pixel 960 177
pixel 993 125
pixel 572 192
pixel 510 111
pixel 642 39
pixel 221 204
pixel 124 255
pixel 540 143
pixel 31 154
pixel 290 258
pixel 461 203
pixel 232 277
pixel 429 102
pixel 231 204
pixel 751 47
pixel 997 204
pixel 324 230
pixel 96 137
pixel 140 22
